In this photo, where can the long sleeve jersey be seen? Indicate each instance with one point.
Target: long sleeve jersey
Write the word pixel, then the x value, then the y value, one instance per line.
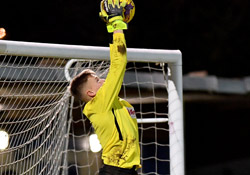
pixel 113 118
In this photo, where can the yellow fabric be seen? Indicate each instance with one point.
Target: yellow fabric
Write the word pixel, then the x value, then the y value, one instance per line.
pixel 116 25
pixel 126 153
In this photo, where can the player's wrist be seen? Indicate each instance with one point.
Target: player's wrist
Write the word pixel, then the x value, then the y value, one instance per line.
pixel 118 31
pixel 116 25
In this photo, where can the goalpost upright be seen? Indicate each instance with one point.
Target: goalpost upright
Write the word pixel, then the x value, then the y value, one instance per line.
pixel 175 95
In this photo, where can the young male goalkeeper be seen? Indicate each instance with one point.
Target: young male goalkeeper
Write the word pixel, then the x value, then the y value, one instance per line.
pixel 113 118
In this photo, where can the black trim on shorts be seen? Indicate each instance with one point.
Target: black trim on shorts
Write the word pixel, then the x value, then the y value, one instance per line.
pixel 112 170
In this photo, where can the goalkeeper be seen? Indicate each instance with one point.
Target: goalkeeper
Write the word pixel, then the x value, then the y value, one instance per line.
pixel 113 118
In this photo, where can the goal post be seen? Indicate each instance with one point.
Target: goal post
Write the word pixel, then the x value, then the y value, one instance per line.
pixel 73 52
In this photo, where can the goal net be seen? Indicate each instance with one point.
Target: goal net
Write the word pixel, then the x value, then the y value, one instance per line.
pixel 43 130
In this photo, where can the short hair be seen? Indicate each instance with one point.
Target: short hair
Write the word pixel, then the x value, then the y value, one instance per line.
pixel 78 82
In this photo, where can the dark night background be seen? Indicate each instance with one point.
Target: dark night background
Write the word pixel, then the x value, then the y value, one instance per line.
pixel 213 35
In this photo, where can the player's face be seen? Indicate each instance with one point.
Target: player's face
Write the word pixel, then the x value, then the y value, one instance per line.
pixel 95 83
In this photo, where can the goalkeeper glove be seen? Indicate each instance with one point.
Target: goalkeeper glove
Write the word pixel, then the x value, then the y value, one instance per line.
pixel 111 13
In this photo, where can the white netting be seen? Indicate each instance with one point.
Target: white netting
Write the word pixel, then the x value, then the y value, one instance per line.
pixel 34 112
pixel 48 133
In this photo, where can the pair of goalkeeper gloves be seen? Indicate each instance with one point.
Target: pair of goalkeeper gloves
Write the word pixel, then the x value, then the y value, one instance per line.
pixel 112 13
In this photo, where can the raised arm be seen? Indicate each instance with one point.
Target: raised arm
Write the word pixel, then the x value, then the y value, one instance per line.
pixel 112 12
pixel 118 62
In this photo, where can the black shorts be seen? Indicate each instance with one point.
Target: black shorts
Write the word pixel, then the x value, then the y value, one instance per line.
pixel 112 170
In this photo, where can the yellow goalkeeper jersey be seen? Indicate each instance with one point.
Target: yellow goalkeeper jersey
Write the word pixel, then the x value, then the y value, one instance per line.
pixel 113 118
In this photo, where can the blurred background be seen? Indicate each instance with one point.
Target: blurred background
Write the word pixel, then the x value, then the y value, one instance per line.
pixel 214 39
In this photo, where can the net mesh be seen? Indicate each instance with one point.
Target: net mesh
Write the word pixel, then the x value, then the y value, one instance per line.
pixel 48 134
pixel 34 112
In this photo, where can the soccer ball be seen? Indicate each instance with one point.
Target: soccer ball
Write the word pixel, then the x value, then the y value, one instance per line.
pixel 128 10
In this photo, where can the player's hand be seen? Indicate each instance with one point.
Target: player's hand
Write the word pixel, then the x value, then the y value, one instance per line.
pixel 111 13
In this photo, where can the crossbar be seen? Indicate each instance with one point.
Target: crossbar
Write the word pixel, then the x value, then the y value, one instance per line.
pixel 34 49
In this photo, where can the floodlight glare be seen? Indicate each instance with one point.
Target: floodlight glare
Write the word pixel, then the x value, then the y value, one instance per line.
pixel 2 33
pixel 4 137
pixel 95 145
